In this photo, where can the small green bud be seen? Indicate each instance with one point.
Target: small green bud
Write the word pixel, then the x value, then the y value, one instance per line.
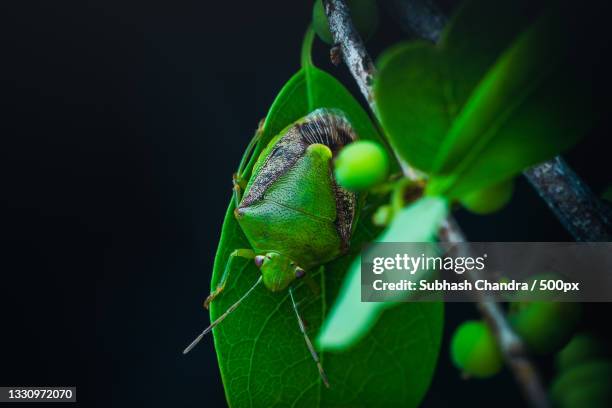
pixel 582 348
pixel 545 326
pixel 490 199
pixel 361 165
pixel 474 350
pixel 364 14
pixel 382 215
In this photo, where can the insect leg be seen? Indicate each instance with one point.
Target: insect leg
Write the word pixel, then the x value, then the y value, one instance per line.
pixel 239 177
pixel 307 301
pixel 244 253
pixel 313 352
pixel 222 317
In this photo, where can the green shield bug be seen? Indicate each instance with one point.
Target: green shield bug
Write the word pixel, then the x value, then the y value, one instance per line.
pixel 293 213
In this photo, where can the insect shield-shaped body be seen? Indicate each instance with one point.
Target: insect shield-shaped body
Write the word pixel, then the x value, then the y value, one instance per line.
pixel 293 212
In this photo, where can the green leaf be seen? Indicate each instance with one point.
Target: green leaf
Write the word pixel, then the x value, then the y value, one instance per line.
pixel 421 88
pixel 262 356
pixel 412 105
pixel 473 112
pixel 526 109
pixel 350 319
pixel 475 37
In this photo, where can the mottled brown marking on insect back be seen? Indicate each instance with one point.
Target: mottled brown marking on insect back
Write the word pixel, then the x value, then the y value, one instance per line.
pixel 284 155
pixel 345 214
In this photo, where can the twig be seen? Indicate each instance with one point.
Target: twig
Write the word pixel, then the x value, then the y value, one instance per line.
pixel 351 46
pixel 360 64
pixel 580 212
pixel 511 345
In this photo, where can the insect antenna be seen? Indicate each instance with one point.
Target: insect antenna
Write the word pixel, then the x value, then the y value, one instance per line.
pixel 222 317
pixel 313 353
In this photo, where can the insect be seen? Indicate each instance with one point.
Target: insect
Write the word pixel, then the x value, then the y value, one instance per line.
pixel 293 213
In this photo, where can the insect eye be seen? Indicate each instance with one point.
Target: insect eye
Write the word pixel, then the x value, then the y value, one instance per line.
pixel 259 259
pixel 299 272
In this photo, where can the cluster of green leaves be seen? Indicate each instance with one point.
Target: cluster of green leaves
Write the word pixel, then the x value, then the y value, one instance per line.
pixel 262 356
pixel 493 97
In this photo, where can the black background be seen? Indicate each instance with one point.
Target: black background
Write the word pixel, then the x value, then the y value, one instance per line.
pixel 122 122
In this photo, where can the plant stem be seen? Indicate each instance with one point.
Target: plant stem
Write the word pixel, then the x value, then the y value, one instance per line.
pixel 580 212
pixel 351 46
pixel 360 64
pixel 510 344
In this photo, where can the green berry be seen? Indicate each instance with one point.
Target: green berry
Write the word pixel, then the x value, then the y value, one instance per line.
pixel 474 350
pixel 584 385
pixel 597 394
pixel 364 14
pixel 361 165
pixel 490 199
pixel 582 348
pixel 545 326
